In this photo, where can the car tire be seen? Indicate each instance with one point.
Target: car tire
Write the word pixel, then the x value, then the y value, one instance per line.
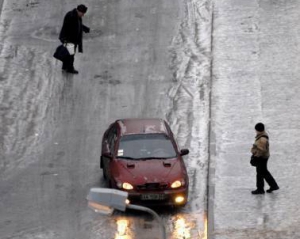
pixel 104 174
pixel 101 162
pixel 110 184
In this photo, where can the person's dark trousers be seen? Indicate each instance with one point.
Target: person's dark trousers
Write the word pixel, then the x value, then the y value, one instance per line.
pixel 68 63
pixel 65 65
pixel 262 173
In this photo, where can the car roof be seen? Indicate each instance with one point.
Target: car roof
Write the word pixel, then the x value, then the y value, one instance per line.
pixel 142 126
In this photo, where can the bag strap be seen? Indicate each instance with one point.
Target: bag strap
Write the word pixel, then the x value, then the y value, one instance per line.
pixel 262 136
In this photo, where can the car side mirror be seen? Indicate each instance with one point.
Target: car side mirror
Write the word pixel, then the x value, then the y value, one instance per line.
pixel 184 152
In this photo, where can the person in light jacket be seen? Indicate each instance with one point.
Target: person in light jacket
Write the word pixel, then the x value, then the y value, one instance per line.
pixel 71 35
pixel 261 151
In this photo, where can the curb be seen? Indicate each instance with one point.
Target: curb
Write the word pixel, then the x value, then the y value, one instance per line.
pixel 211 149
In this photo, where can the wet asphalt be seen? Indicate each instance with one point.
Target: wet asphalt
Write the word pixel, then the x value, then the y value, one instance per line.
pixel 211 68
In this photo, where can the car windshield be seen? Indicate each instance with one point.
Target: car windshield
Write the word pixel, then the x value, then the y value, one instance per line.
pixel 146 146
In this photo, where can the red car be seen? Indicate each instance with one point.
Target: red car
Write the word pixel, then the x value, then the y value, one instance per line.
pixel 141 156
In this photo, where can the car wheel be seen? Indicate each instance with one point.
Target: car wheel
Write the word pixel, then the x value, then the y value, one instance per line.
pixel 110 184
pixel 104 174
pixel 101 162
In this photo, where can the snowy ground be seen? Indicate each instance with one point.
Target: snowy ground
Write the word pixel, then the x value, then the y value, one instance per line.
pixel 255 78
pixel 141 59
pixel 212 69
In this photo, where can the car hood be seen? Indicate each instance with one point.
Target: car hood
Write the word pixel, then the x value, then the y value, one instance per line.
pixel 147 171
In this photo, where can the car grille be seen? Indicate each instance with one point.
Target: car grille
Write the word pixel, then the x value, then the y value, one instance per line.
pixel 152 186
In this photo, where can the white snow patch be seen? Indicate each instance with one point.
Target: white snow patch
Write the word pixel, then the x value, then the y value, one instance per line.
pixel 190 109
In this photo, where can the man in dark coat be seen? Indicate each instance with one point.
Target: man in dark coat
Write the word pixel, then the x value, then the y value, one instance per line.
pixel 260 150
pixel 71 35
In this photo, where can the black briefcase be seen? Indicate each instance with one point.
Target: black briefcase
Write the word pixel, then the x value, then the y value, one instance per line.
pixel 61 53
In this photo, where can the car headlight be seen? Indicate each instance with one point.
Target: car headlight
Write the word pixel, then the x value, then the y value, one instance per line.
pixel 177 184
pixel 179 199
pixel 127 186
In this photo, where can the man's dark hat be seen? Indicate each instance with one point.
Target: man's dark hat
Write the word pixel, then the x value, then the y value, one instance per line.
pixel 259 127
pixel 82 8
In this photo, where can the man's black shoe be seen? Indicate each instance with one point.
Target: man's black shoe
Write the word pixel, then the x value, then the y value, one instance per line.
pixel 72 71
pixel 258 191
pixel 272 189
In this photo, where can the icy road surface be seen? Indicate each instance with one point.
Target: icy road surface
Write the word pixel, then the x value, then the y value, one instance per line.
pixel 141 59
pixel 234 62
pixel 255 78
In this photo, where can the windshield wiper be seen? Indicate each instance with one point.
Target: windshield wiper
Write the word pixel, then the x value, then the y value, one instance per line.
pixel 125 157
pixel 147 158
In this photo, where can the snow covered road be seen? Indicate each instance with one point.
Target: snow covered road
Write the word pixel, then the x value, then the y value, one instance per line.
pixel 141 59
pixel 212 69
pixel 255 79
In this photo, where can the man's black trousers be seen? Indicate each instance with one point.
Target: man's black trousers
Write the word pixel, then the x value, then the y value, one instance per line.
pixel 68 63
pixel 262 173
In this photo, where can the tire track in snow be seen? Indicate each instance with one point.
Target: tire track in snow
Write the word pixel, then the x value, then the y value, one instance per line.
pixel 27 84
pixel 190 109
pixel 25 94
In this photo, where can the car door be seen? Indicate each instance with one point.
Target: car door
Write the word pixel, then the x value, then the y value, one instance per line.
pixel 104 148
pixel 109 155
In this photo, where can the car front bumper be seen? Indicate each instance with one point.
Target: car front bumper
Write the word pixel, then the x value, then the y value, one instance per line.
pixel 153 198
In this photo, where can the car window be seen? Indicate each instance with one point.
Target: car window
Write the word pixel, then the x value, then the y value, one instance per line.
pixel 146 146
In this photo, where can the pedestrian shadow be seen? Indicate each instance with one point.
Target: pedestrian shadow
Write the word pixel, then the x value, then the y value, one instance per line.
pixel 66 96
pixel 66 86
